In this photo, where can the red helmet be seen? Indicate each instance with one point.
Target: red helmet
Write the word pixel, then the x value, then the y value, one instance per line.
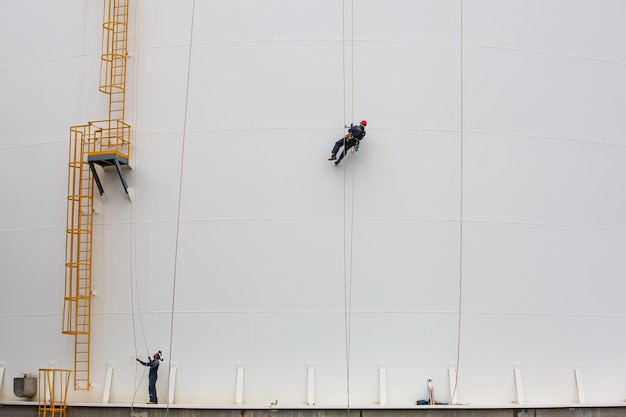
pixel 364 122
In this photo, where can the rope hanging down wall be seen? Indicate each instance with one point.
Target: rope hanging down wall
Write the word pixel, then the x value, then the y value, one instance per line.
pixel 453 394
pixel 348 275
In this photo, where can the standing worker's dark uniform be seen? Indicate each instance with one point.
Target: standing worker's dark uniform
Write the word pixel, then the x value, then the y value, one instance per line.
pixel 354 136
pixel 152 377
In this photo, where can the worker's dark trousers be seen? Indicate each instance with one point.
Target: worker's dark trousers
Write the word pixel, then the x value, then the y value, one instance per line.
pixel 152 390
pixel 339 144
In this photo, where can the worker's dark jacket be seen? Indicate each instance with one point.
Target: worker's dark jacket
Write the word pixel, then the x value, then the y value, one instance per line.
pixel 357 131
pixel 154 368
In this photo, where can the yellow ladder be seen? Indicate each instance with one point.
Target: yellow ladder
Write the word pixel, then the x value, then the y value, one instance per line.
pixel 115 51
pixel 78 250
pixel 103 143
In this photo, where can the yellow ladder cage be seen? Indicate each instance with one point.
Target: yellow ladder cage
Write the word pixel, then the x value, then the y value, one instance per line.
pixel 99 143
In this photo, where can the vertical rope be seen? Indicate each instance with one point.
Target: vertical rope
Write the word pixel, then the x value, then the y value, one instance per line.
pixel 460 305
pixel 346 283
pixel 133 242
pixel 348 275
pixel 343 58
pixel 345 272
pixel 134 288
pixel 352 59
pixel 354 158
pixel 349 301
pixel 180 188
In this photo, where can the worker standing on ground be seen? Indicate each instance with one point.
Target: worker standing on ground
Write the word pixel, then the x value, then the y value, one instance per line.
pixel 152 377
pixel 353 138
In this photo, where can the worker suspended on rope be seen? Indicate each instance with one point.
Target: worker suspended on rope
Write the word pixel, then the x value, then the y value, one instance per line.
pixel 352 139
pixel 152 377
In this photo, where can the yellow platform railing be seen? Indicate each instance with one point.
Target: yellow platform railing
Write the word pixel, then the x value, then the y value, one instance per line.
pixel 53 387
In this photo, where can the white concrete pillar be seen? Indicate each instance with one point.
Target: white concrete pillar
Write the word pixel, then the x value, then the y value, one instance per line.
pixel 519 386
pixel 453 386
pixel 241 368
pixel 107 381
pixel 310 380
pixel 172 387
pixel 382 382
pixel 579 383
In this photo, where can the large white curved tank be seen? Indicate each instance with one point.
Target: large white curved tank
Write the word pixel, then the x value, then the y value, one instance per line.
pixel 479 231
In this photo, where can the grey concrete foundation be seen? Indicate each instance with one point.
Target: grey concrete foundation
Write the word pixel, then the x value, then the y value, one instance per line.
pixel 74 411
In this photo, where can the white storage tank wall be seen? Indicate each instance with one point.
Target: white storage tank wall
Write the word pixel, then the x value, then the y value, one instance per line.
pixel 241 227
pixel 48 79
pixel 543 208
